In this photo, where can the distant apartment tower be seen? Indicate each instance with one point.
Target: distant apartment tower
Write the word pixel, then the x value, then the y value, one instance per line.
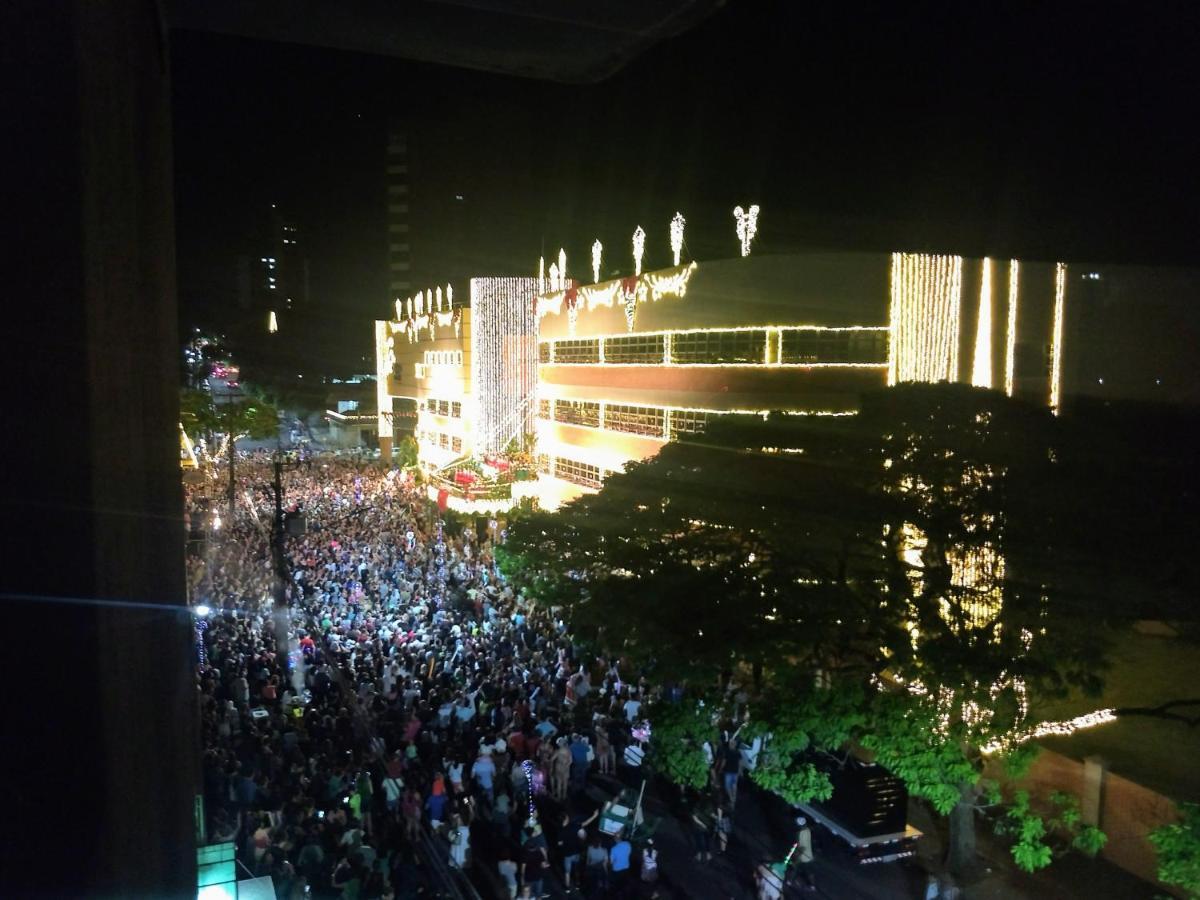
pixel 399 246
pixel 273 277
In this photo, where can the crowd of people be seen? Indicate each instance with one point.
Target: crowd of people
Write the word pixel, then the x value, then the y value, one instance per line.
pixel 424 717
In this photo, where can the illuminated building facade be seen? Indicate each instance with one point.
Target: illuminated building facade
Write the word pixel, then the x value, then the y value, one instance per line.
pixel 607 373
pixel 627 365
pixel 470 369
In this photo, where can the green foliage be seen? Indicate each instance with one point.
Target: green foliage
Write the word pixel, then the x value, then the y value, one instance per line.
pixel 1019 759
pixel 239 418
pixel 907 736
pixel 798 721
pixel 677 741
pixel 1037 839
pixel 406 452
pixel 795 782
pixel 1178 848
pixel 1090 840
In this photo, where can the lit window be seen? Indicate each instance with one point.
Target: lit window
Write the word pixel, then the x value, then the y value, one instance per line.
pixel 718 347
pixel 577 412
pixel 635 419
pixel 639 348
pixel 577 352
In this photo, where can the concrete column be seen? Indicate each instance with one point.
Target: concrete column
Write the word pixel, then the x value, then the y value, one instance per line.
pixel 1091 803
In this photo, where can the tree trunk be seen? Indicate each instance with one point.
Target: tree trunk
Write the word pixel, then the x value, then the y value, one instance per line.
pixel 960 854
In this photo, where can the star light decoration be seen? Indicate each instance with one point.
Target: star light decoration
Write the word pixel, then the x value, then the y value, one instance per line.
pixel 677 224
pixel 747 226
pixel 639 248
pixel 597 250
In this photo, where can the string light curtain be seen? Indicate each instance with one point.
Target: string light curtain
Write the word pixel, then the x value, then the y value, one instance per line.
pixel 503 359
pixel 926 309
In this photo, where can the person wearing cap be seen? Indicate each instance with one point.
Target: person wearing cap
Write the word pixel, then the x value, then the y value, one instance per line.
pixel 803 857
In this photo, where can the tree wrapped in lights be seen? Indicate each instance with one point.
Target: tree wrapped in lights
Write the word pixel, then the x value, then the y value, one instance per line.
pixel 840 632
pixel 747 226
pixel 639 248
pixel 677 224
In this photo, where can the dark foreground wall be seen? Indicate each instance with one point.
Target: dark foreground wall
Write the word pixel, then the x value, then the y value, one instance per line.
pixel 99 736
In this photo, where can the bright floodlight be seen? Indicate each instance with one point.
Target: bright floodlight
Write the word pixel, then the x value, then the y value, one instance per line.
pixel 202 610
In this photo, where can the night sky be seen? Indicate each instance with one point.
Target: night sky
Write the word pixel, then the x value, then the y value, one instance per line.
pixel 974 129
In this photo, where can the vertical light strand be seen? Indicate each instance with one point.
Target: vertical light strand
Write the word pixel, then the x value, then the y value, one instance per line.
pixel 981 369
pixel 503 359
pixel 925 314
pixel 1056 345
pixel 639 247
pixel 893 315
pixel 1010 335
pixel 383 398
pixel 955 317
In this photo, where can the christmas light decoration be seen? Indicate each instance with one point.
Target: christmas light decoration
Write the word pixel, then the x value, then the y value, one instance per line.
pixel 449 296
pixel 747 226
pixel 1046 729
pixel 677 224
pixel 399 309
pixel 981 370
pixel 272 323
pixel 201 627
pixel 503 359
pixel 652 287
pixel 1010 334
pixel 597 250
pixel 562 268
pixel 925 309
pixel 1056 341
pixel 410 307
pixel 420 303
pixel 527 768
pixel 639 247
pixel 629 292
pixel 385 362
pixel 555 279
pixel 541 275
pixel 439 298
